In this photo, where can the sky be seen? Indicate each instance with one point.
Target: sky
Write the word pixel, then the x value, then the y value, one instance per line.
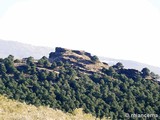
pixel 123 29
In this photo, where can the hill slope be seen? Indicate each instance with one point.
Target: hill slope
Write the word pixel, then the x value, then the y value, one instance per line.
pixel 64 81
pixel 14 110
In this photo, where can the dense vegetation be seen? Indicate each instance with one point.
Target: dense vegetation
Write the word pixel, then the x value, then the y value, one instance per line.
pixel 111 93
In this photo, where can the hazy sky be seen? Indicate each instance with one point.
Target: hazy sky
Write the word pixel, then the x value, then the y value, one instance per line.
pixel 123 29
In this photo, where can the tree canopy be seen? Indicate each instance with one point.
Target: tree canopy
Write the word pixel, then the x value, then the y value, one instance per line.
pixel 111 93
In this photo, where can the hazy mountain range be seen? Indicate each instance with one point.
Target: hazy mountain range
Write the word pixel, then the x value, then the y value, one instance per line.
pixel 21 50
pixel 131 64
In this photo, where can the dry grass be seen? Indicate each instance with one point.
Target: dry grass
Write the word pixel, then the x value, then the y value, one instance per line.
pixel 13 110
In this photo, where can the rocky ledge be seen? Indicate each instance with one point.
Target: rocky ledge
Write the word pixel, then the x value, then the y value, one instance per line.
pixel 78 58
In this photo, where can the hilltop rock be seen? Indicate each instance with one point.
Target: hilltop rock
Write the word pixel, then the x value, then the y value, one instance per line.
pixel 78 58
pixel 60 50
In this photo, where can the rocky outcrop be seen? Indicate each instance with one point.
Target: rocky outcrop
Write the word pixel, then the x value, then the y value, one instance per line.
pixel 78 58
pixel 60 50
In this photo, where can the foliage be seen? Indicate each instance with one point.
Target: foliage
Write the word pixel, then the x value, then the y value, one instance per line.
pixel 111 93
pixel 145 72
pixel 94 58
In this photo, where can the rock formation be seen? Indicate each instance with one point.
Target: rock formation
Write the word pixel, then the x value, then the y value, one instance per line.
pixel 81 59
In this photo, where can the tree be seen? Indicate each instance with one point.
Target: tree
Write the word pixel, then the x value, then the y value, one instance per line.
pixel 145 72
pixel 51 76
pixel 30 61
pixel 111 71
pixel 42 75
pixel 34 77
pixel 44 62
pixel 11 57
pixel 47 64
pixel 94 58
pixel 60 63
pixel 118 66
pixel 40 62
pixel 2 69
pixel 155 76
pixel 53 65
pixel 1 60
pixel 9 64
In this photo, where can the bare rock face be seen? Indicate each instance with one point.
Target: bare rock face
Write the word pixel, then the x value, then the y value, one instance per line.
pixel 77 58
pixel 60 50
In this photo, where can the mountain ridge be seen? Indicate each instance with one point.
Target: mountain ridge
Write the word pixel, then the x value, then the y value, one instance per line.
pixel 22 50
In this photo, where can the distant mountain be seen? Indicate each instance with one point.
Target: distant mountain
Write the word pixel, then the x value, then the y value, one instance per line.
pixel 20 50
pixel 131 64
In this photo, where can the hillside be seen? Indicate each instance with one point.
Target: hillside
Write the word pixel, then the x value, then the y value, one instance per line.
pixel 14 110
pixel 84 61
pixel 71 79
